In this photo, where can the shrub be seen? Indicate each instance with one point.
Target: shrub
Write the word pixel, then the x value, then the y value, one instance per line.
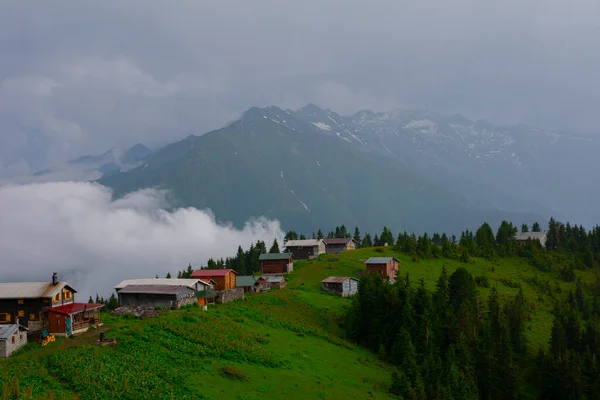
pixel 482 281
pixel 234 373
pixel 379 249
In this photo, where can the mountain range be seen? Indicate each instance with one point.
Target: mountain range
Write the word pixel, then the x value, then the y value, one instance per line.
pixel 92 167
pixel 408 169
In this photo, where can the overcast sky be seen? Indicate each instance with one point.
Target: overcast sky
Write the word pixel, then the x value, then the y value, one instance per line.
pixel 80 77
pixel 92 242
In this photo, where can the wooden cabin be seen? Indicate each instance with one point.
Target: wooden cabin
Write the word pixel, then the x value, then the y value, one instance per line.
pixel 386 267
pixel 27 303
pixel 338 245
pixel 166 296
pixel 246 282
pixel 74 318
pixel 12 338
pixel 276 263
pixel 341 285
pixel 307 249
pixel 224 278
pixel 194 284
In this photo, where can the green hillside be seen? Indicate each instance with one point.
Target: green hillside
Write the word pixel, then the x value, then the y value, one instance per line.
pixel 277 345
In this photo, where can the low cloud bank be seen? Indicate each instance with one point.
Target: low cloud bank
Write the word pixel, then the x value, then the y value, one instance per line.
pixel 93 242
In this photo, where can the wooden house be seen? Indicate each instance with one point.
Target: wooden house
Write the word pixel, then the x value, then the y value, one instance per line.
pixel 386 267
pixel 246 282
pixel 307 249
pixel 276 263
pixel 523 237
pixel 224 278
pixel 12 338
pixel 167 296
pixel 338 245
pixel 27 303
pixel 341 285
pixel 194 284
pixel 71 319
pixel 271 282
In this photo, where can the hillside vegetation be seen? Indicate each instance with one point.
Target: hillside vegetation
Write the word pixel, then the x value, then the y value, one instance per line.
pixel 279 344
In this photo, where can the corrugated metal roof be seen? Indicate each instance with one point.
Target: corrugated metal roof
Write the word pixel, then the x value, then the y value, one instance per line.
pixel 302 243
pixel 153 289
pixel 529 235
pixel 74 308
pixel 206 273
pixel 32 290
pixel 191 283
pixel 245 280
pixel 7 330
pixel 275 256
pixel 338 240
pixel 380 260
pixel 337 279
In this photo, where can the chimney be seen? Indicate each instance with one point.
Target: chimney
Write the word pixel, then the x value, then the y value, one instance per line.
pixel 54 279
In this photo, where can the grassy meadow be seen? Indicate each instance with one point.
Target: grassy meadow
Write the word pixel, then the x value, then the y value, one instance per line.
pixel 282 344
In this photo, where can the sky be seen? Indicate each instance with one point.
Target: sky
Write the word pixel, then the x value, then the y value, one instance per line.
pixel 81 77
pixel 93 242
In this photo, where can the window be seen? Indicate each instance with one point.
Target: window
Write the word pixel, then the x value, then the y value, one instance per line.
pixel 21 301
pixel 13 340
pixel 68 295
pixel 21 313
pixel 57 298
pixel 4 317
pixel 32 317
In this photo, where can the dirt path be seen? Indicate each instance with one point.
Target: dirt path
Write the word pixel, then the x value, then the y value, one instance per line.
pixel 86 337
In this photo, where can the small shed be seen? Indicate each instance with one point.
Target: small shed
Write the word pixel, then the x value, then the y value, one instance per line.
pixel 276 263
pixel 73 318
pixel 168 296
pixel 342 285
pixel 12 338
pixel 272 281
pixel 338 245
pixel 386 267
pixel 246 282
pixel 224 278
pixel 523 237
pixel 206 297
pixel 305 249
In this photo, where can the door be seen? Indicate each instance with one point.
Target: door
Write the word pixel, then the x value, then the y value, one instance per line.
pixel 68 325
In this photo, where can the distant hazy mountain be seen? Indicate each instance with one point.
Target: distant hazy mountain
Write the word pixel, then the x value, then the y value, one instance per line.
pixel 513 168
pixel 92 167
pixel 306 169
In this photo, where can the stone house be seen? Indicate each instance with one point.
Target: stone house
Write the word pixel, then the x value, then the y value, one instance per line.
pixel 12 338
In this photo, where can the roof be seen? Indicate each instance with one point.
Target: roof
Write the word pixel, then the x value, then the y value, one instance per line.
pixel 380 260
pixel 302 243
pixel 153 289
pixel 206 293
pixel 207 281
pixel 32 290
pixel 529 235
pixel 339 240
pixel 273 278
pixel 191 283
pixel 207 273
pixel 245 280
pixel 337 279
pixel 275 256
pixel 74 308
pixel 7 330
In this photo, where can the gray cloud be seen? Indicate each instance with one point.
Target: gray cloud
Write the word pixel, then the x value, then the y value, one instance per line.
pixel 82 78
pixel 75 229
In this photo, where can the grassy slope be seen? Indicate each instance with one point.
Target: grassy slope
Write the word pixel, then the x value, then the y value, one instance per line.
pixel 281 340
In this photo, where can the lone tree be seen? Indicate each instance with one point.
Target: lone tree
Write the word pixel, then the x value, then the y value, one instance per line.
pixel 274 247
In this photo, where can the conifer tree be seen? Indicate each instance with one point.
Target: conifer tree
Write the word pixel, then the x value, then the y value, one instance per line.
pixel 356 236
pixel 168 275
pixel 274 247
pixel 367 242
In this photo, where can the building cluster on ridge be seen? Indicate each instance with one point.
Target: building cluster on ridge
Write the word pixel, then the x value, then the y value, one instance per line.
pixel 38 310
